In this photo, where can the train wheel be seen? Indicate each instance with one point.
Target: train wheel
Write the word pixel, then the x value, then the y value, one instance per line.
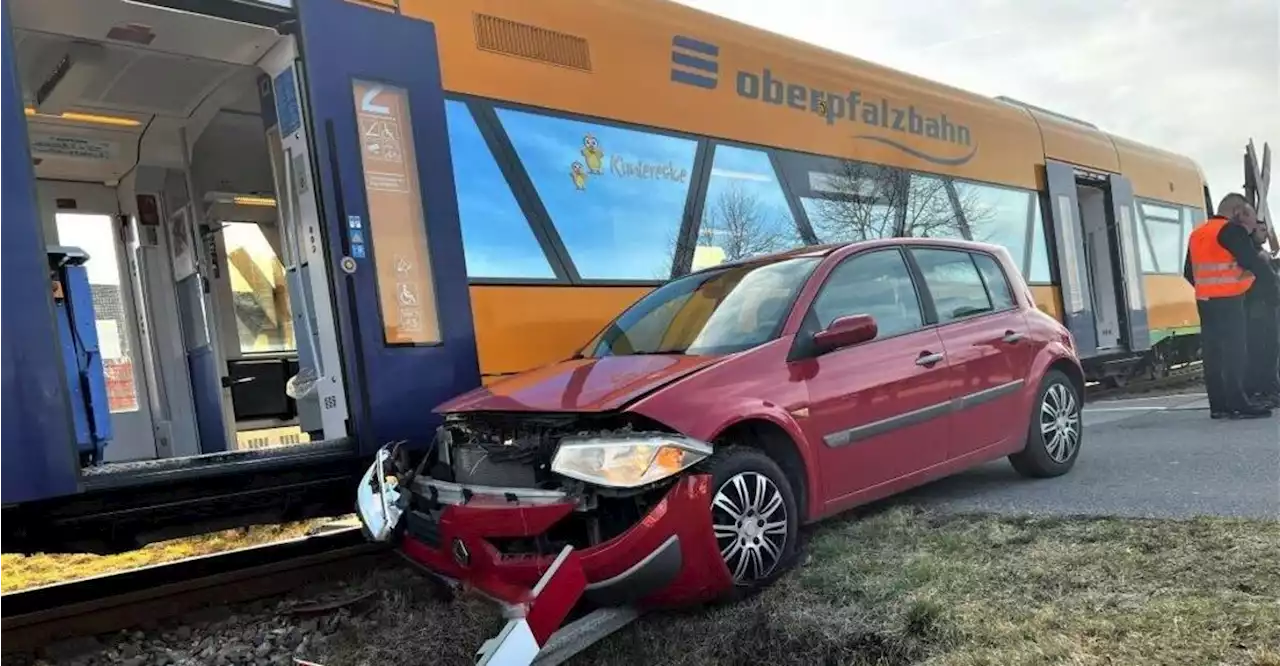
pixel 1158 365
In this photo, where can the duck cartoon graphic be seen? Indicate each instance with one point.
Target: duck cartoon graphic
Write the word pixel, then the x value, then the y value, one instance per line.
pixel 579 175
pixel 594 156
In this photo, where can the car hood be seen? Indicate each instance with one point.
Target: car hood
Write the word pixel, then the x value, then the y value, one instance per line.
pixel 580 385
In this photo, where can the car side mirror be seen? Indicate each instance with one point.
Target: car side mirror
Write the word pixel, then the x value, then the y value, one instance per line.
pixel 846 332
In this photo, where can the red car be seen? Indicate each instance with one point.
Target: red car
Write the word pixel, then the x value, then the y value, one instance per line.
pixel 672 460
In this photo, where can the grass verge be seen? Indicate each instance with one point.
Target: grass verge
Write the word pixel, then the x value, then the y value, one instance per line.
pixel 905 587
pixel 18 572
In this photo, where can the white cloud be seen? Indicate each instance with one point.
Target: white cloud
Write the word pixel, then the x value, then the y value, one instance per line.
pixel 1197 77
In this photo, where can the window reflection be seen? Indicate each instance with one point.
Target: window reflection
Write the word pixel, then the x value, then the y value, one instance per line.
pixel 496 238
pixel 1164 226
pixel 1039 271
pixel 876 284
pixel 851 201
pixel 998 216
pixel 930 211
pixel 616 196
pixel 954 283
pixel 746 212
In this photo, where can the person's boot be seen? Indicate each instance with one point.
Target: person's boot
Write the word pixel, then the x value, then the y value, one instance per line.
pixel 1252 412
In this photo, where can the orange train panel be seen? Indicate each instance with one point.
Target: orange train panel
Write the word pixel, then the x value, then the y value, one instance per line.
pixel 1161 175
pixel 519 327
pixel 1048 299
pixel 607 58
pixel 1074 143
pixel 1171 302
pixel 612 59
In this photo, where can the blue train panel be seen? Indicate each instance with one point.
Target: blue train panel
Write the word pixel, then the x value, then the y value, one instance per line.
pixel 40 458
pixel 81 355
pixel 391 217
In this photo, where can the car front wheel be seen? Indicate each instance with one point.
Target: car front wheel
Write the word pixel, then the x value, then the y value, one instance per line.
pixel 754 517
pixel 1053 441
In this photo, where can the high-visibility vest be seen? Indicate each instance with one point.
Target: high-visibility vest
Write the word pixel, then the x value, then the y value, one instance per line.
pixel 1214 269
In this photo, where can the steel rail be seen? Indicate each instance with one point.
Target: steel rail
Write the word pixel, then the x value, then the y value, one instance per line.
pixel 101 604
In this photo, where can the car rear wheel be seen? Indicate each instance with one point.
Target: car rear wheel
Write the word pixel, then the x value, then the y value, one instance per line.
pixel 1053 440
pixel 754 517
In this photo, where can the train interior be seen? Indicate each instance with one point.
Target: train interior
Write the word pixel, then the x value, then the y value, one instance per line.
pixel 1101 258
pixel 160 182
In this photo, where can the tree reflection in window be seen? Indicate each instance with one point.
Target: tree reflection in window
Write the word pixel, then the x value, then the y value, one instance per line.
pixel 258 289
pixel 746 212
pixel 854 202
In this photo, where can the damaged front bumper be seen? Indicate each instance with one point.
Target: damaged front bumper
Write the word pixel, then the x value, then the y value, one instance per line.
pixel 454 530
pixel 668 557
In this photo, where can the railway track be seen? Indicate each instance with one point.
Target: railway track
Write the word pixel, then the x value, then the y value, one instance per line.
pixel 33 618
pixel 1179 379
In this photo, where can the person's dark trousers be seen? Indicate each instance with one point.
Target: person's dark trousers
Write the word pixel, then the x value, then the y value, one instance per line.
pixel 1223 339
pixel 1264 347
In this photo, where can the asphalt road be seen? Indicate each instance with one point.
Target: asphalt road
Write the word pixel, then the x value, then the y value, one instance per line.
pixel 1141 457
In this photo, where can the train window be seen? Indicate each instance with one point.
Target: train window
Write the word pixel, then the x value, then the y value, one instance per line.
pixel 997 215
pixel 263 319
pixel 1166 244
pixel 746 212
pixel 930 213
pixel 846 201
pixel 1039 272
pixel 1164 229
pixel 954 283
pixel 616 196
pixel 496 238
pixel 1191 218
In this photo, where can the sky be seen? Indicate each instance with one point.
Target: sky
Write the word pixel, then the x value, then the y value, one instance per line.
pixel 1148 70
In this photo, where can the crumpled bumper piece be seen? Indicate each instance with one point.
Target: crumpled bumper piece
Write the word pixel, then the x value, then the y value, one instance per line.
pixel 669 557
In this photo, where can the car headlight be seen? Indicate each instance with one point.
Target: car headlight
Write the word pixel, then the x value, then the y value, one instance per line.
pixel 378 498
pixel 627 461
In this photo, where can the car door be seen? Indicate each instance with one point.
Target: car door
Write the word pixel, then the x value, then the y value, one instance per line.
pixel 878 410
pixel 984 335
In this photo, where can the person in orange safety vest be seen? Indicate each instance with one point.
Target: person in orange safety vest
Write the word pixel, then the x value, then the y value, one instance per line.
pixel 1223 265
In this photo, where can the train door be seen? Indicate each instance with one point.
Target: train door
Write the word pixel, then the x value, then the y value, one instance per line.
pixel 100 232
pixel 1103 297
pixel 378 117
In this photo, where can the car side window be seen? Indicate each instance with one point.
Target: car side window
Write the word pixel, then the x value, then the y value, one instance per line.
pixel 954 282
pixel 876 283
pixel 994 278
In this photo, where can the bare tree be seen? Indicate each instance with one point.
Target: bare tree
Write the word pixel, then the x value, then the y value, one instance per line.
pixel 863 201
pixel 741 225
pixel 738 224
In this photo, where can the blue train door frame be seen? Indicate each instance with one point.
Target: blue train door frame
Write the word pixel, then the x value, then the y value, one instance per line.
pixel 1068 235
pixel 39 453
pixel 1137 328
pixel 377 114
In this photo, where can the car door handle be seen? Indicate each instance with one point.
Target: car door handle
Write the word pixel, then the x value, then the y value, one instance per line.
pixel 1012 337
pixel 929 359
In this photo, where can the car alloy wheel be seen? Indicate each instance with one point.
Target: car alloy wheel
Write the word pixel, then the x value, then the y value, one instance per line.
pixel 1060 423
pixel 749 518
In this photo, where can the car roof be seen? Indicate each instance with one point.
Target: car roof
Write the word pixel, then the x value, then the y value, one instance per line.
pixel 830 248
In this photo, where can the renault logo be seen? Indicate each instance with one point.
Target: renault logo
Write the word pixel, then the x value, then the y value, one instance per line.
pixel 460 553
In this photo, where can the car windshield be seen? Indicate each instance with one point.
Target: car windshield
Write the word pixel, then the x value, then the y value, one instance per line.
pixel 715 312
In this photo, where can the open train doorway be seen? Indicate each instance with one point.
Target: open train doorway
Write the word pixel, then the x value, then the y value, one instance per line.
pixel 172 210
pixel 1103 295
